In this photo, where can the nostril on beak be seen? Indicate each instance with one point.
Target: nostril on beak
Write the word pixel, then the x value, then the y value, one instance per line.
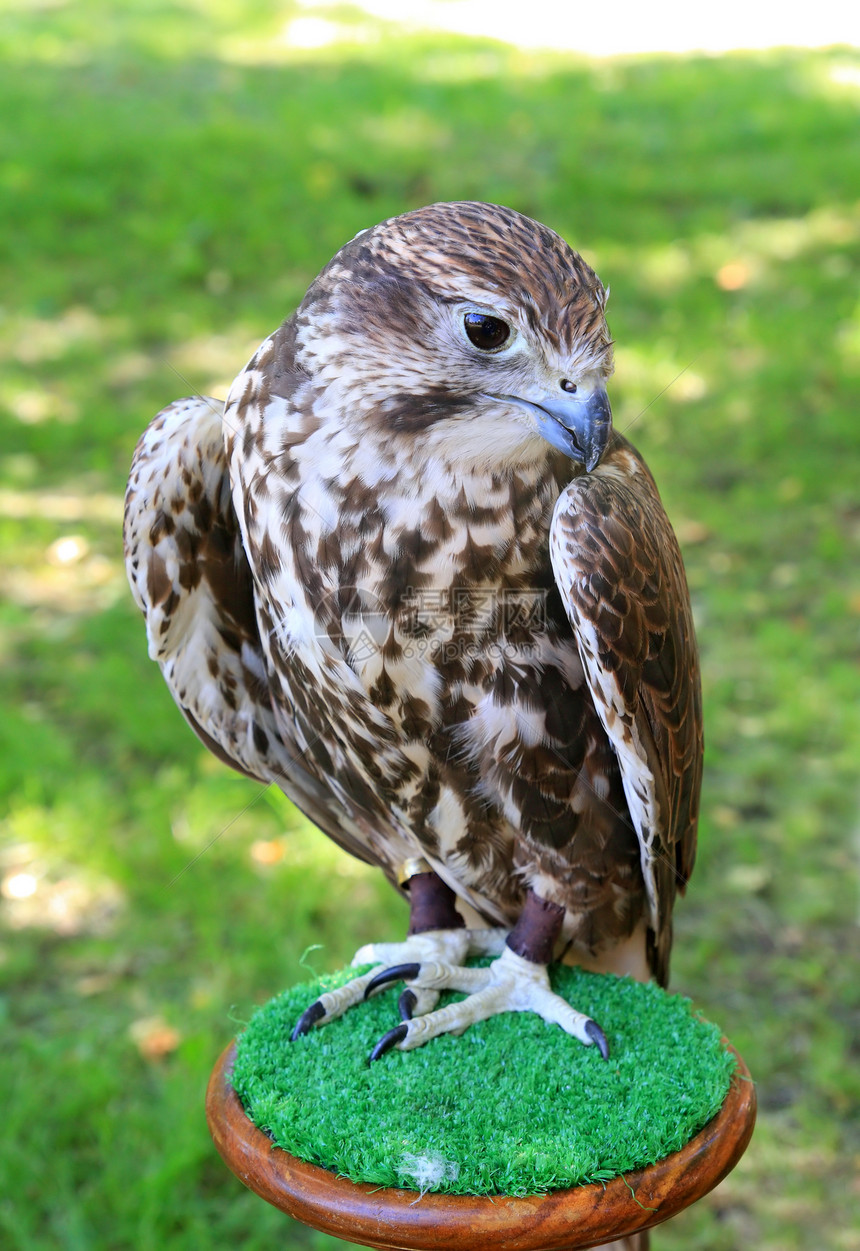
pixel 567 385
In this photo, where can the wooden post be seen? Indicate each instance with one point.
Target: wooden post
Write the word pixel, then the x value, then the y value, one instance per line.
pixel 398 1220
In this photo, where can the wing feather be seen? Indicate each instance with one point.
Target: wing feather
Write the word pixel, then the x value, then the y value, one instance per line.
pixel 618 567
pixel 190 577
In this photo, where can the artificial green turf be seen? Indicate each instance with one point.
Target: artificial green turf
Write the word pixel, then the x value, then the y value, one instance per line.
pixel 512 1106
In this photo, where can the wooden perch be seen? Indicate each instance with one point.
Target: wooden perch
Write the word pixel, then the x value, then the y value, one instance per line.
pixel 400 1220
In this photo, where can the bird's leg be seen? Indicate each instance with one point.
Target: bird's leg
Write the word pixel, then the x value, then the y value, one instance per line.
pixel 431 904
pixel 515 982
pixel 431 909
pixel 437 938
pixel 533 937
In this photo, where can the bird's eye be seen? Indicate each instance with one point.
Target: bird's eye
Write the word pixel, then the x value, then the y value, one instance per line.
pixel 486 332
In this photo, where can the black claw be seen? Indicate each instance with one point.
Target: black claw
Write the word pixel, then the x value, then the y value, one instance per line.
pixel 406 1004
pixel 597 1036
pixel 397 973
pixel 308 1020
pixel 387 1041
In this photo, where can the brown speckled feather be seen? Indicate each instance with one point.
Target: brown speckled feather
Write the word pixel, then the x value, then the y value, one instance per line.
pixel 620 570
pixel 190 576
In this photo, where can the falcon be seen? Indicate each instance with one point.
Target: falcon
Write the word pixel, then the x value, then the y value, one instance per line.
pixel 410 574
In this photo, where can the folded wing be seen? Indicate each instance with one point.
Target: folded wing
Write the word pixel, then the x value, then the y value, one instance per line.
pixel 191 579
pixel 619 570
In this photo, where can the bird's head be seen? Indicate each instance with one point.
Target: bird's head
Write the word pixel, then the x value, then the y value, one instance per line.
pixel 466 323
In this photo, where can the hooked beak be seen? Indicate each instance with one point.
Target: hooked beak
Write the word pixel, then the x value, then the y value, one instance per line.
pixel 578 425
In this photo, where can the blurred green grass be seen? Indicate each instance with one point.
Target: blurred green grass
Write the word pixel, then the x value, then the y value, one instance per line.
pixel 171 178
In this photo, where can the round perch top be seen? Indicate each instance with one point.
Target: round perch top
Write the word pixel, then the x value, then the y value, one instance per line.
pixel 513 1106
